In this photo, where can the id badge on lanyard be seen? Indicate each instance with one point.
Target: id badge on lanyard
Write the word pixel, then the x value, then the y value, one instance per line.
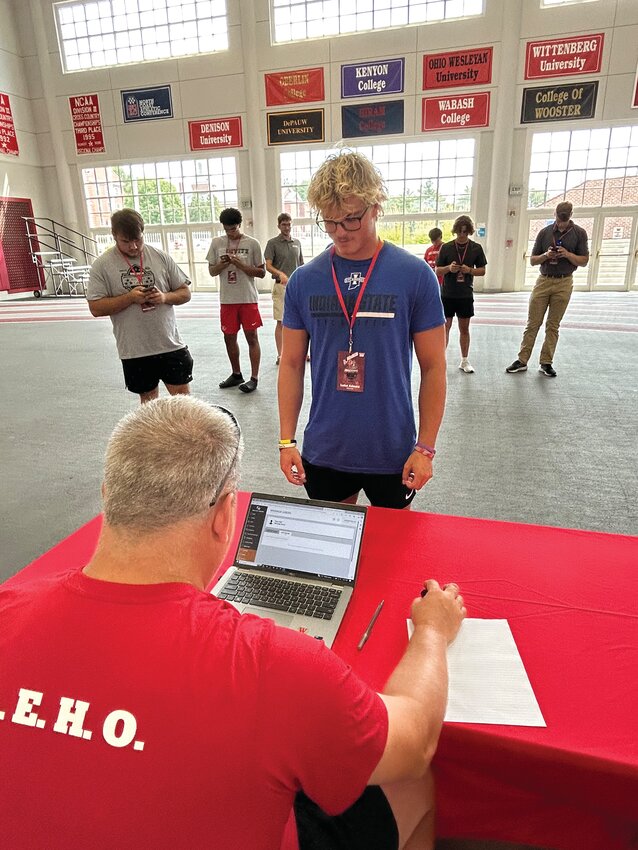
pixel 351 364
pixel 460 277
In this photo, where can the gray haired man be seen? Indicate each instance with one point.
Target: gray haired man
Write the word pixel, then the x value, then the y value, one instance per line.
pixel 178 719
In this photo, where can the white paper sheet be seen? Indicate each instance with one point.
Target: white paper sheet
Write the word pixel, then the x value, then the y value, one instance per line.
pixel 488 681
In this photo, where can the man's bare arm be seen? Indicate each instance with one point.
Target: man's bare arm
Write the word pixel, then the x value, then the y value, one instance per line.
pixel 113 305
pixel 290 388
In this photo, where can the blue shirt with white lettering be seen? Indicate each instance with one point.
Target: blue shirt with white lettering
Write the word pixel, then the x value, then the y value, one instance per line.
pixel 371 431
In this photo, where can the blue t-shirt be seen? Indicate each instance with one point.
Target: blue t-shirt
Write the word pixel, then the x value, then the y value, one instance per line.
pixel 372 431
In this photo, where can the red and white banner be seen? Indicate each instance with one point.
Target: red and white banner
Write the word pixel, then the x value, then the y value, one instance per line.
pixel 303 86
pixel 215 133
pixel 87 123
pixel 561 57
pixel 8 139
pixel 471 67
pixel 456 113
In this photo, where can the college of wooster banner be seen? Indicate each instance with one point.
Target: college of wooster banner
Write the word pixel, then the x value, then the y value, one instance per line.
pixel 559 103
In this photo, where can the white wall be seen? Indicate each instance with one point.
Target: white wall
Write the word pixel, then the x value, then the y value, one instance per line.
pixel 217 85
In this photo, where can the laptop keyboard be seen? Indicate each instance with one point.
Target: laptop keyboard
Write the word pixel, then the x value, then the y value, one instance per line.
pixel 312 600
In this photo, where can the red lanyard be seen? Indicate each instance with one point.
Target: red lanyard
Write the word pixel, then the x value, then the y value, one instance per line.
pixel 352 319
pixel 139 275
pixel 461 259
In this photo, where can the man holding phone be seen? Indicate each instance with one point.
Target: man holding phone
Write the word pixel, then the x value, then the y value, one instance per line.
pixel 138 286
pixel 559 249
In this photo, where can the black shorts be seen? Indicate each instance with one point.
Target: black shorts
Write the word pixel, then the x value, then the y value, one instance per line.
pixel 332 485
pixel 368 823
pixel 143 374
pixel 461 307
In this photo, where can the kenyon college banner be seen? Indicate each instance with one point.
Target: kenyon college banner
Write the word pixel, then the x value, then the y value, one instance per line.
pixel 560 57
pixel 454 113
pixel 471 67
pixel 286 87
pixel 212 133
pixel 559 103
pixel 8 138
pixel 87 123
pixel 369 78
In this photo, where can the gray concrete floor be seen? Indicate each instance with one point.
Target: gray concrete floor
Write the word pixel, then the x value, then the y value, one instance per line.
pixel 518 447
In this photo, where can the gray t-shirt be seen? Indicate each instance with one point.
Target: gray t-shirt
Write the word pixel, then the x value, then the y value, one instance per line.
pixel 284 254
pixel 242 290
pixel 138 332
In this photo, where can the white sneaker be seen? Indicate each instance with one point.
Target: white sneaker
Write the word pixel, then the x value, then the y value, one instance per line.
pixel 466 366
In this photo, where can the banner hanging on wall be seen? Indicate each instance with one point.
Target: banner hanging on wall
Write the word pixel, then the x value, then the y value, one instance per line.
pixel 559 103
pixel 293 128
pixel 372 119
pixel 560 57
pixel 471 67
pixel 303 86
pixel 212 133
pixel 634 104
pixel 87 123
pixel 147 104
pixel 455 113
pixel 364 79
pixel 8 138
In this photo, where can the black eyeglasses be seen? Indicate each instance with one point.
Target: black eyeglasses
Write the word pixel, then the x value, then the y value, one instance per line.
pixel 224 480
pixel 352 222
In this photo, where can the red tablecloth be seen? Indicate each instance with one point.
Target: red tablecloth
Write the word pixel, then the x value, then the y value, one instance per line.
pixel 571 598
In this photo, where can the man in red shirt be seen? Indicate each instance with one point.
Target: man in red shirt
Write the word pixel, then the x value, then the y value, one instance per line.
pixel 432 252
pixel 137 710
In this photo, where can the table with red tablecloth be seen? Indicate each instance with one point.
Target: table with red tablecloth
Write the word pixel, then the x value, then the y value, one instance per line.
pixel 571 598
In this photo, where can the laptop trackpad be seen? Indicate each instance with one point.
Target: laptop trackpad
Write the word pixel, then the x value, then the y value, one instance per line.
pixel 280 618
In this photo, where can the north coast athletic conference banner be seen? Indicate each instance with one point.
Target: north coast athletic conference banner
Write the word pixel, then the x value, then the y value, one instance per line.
pixel 452 113
pixel 8 138
pixel 458 68
pixel 370 78
pixel 214 133
pixel 560 57
pixel 303 86
pixel 559 103
pixel 87 123
pixel 291 128
pixel 372 119
pixel 147 104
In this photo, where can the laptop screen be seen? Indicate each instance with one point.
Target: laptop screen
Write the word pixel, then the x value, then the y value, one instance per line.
pixel 302 538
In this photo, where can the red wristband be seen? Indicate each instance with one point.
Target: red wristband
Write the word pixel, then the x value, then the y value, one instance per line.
pixel 428 451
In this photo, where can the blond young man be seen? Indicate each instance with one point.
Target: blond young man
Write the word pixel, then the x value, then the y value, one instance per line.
pixel 365 307
pixel 169 719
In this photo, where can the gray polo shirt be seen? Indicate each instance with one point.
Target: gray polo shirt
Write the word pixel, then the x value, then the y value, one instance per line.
pixel 139 333
pixel 574 239
pixel 284 254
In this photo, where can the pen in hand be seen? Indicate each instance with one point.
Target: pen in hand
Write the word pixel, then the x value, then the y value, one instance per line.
pixel 366 634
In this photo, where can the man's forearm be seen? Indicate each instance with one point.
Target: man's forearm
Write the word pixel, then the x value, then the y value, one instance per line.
pixel 110 306
pixel 290 387
pixel 431 402
pixel 178 296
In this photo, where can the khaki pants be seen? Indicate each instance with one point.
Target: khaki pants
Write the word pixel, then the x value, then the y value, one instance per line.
pixel 550 295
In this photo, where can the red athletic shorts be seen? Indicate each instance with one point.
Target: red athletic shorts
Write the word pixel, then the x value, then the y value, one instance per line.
pixel 234 316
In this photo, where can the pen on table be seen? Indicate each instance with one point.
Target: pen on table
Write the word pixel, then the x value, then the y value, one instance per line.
pixel 366 634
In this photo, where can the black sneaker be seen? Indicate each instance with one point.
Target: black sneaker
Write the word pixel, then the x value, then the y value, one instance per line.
pixel 249 386
pixel 547 369
pixel 233 380
pixel 517 366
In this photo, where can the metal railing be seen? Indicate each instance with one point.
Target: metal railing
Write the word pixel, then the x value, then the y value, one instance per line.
pixel 64 255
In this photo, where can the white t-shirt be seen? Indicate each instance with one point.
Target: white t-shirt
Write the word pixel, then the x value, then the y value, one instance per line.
pixel 243 289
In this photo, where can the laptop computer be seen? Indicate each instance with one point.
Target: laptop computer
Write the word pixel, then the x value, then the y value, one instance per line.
pixel 296 563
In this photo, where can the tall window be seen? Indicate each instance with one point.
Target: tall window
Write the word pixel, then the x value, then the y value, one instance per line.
pixel 180 192
pixel 121 32
pixel 590 168
pixel 429 183
pixel 297 20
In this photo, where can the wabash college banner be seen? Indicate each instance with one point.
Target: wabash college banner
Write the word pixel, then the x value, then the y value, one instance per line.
pixel 454 113
pixel 303 86
pixel 559 57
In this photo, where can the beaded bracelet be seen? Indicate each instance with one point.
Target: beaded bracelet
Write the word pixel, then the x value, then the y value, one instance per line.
pixel 428 451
